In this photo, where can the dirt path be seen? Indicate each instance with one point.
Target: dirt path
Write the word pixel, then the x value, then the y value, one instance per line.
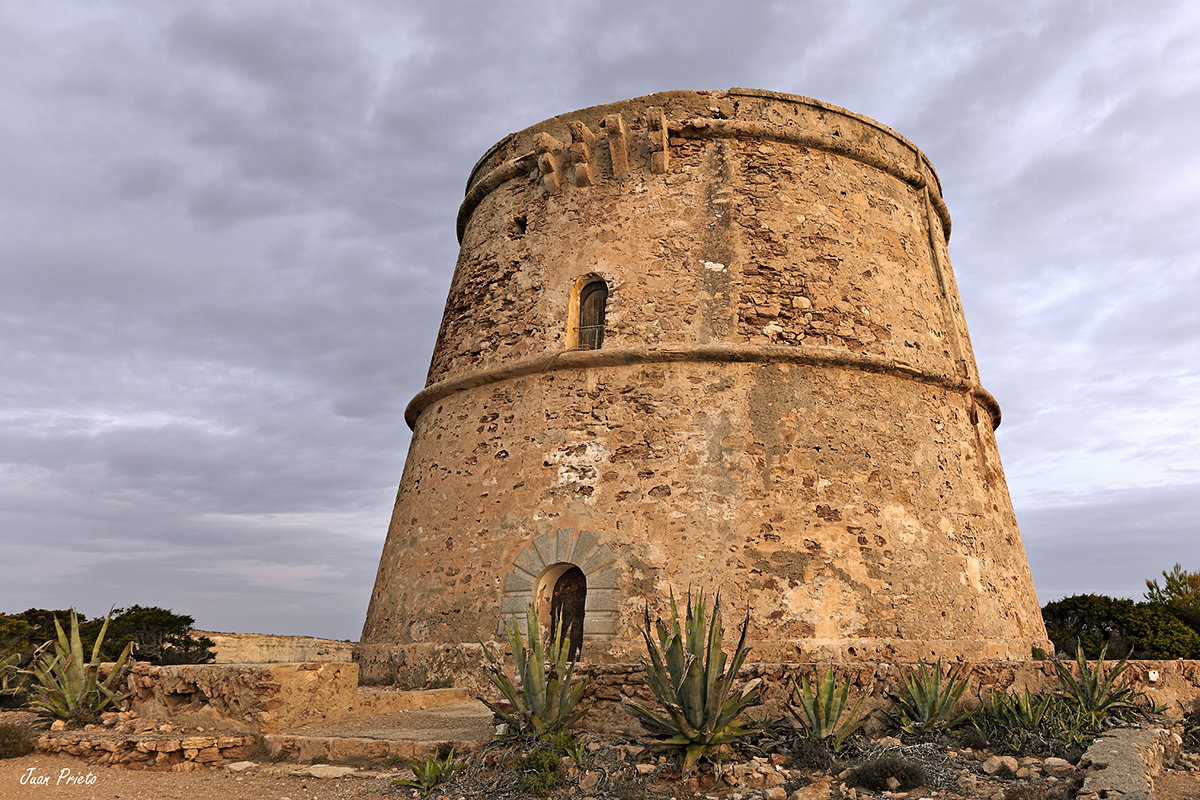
pixel 66 777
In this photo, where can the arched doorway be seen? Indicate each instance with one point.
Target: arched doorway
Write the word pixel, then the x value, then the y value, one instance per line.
pixel 562 597
pixel 566 606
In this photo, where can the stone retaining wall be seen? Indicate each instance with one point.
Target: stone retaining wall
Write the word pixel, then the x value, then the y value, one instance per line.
pixel 148 751
pixel 258 648
pixel 275 698
pixel 266 698
pixel 243 697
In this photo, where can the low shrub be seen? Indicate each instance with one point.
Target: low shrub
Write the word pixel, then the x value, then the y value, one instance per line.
pixel 540 770
pixel 15 741
pixel 874 774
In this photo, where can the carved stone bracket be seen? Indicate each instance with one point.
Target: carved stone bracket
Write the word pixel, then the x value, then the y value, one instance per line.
pixel 618 145
pixel 583 140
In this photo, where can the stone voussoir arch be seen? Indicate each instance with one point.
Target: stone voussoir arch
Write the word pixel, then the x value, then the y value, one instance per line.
pixel 584 550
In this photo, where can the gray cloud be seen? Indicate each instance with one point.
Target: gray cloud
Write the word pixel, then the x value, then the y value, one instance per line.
pixel 229 230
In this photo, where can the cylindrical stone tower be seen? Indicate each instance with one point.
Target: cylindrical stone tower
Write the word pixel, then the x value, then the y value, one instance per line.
pixel 706 340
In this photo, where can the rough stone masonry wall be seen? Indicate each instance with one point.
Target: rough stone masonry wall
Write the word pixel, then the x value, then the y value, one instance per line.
pixel 259 648
pixel 153 752
pixel 262 698
pixel 785 408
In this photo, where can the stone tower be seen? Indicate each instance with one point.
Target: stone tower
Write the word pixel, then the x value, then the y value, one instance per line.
pixel 708 340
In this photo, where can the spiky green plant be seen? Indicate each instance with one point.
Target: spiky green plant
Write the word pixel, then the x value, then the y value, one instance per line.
pixel 1096 690
pixel 1010 723
pixel 823 705
pixel 10 680
pixel 928 704
pixel 429 772
pixel 65 685
pixel 688 677
pixel 546 702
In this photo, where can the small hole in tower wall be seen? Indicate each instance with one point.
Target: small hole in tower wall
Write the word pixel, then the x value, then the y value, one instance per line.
pixel 517 226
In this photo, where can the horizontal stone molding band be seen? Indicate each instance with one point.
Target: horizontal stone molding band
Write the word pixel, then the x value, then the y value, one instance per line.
pixel 760 131
pixel 726 129
pixel 725 353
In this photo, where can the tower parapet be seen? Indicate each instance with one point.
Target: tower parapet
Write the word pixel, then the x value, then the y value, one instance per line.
pixel 706 339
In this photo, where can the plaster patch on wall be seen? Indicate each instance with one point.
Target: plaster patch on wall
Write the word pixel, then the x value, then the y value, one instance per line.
pixel 972 573
pixel 577 462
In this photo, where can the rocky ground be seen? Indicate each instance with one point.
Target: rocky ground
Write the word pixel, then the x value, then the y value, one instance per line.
pixel 610 770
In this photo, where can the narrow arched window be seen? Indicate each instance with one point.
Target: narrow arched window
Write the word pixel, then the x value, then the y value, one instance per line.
pixel 593 298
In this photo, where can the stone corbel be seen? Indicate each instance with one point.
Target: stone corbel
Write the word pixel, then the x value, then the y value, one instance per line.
pixel 549 162
pixel 618 145
pixel 659 152
pixel 583 140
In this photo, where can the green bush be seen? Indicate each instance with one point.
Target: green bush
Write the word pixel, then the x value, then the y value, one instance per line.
pixel 160 635
pixel 1124 627
pixel 540 770
pixel 15 741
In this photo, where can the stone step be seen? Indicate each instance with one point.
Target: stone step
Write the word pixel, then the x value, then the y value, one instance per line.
pixel 417 733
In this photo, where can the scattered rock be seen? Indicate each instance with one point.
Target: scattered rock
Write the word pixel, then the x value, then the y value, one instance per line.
pixel 817 790
pixel 1001 764
pixel 323 771
pixel 240 766
pixel 1058 766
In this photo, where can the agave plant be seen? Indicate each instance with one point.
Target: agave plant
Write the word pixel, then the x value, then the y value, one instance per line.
pixel 1096 691
pixel 65 685
pixel 429 773
pixel 688 677
pixel 546 702
pixel 928 704
pixel 10 683
pixel 823 706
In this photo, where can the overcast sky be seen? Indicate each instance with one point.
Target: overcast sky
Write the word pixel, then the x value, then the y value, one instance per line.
pixel 227 232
